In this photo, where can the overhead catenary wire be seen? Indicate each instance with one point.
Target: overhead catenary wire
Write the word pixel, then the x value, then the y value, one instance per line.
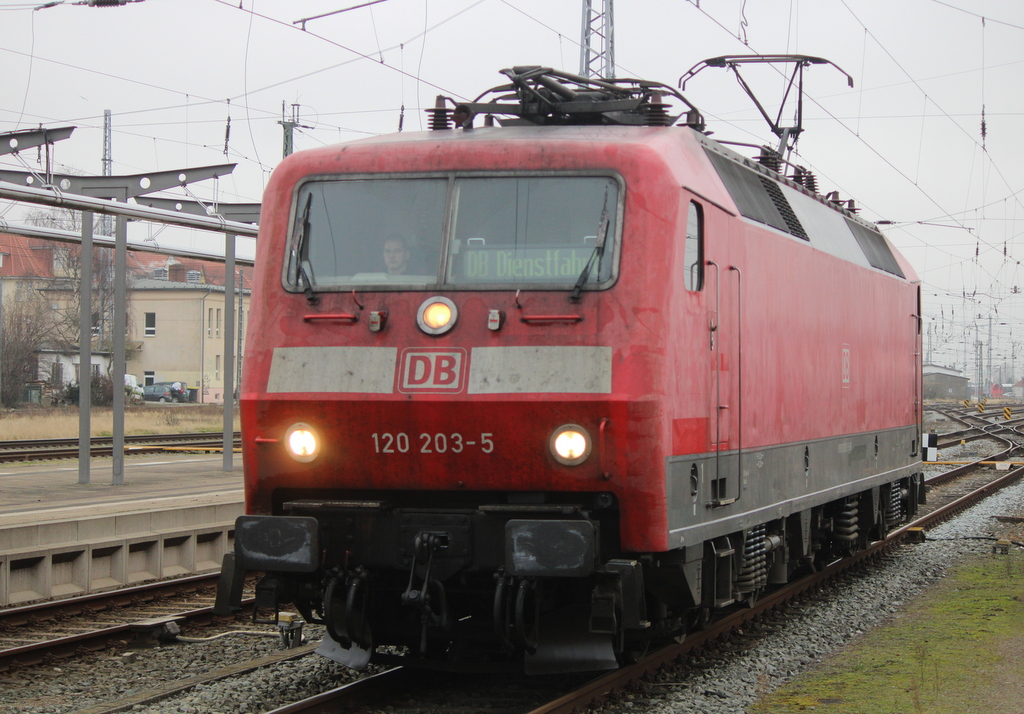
pixel 359 55
pixel 31 61
pixel 918 86
pixel 257 114
pixel 245 84
pixel 995 278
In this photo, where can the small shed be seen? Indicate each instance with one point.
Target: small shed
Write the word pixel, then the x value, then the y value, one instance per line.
pixel 944 383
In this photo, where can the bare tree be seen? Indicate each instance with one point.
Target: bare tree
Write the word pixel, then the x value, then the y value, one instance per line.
pixel 63 219
pixel 27 328
pixel 64 288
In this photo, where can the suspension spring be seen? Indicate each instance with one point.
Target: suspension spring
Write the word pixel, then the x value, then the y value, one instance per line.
pixel 754 570
pixel 846 525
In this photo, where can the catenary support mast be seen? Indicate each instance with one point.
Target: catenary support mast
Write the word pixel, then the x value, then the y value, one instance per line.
pixel 597 39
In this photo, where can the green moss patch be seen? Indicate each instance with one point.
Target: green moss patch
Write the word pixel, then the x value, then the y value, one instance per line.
pixel 957 649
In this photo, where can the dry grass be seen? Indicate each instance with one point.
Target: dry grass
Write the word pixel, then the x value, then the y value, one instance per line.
pixel 62 422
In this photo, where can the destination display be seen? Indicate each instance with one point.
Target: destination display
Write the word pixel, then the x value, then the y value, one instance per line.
pixel 547 264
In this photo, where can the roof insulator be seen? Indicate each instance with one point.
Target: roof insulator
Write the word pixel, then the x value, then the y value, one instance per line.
pixel 439 114
pixel 770 159
pixel 805 178
pixel 656 111
pixel 695 120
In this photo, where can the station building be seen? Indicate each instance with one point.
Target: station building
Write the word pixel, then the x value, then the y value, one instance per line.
pixel 179 321
pixel 176 320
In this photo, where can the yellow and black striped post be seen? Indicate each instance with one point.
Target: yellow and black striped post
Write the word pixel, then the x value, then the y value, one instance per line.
pixel 1007 413
pixel 981 408
pixel 967 403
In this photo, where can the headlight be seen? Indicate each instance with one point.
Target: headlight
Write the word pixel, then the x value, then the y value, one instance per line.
pixel 570 444
pixel 302 442
pixel 437 315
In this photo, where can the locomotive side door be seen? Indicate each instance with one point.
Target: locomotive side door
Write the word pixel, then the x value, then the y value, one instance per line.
pixel 724 299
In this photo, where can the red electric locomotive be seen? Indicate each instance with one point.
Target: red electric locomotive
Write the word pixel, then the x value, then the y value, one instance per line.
pixel 534 394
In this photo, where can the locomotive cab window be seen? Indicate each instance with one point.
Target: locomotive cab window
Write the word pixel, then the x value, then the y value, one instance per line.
pixel 550 231
pixel 693 253
pixel 532 230
pixel 368 232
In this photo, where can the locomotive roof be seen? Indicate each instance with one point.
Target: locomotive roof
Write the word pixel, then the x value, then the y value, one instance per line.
pixel 541 106
pixel 596 133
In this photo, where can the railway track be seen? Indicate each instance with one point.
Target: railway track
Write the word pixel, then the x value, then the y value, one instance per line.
pixel 600 688
pixel 47 449
pixel 432 690
pixel 32 634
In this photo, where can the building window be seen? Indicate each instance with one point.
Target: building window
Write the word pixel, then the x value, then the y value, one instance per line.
pixel 218 322
pixel 216 368
pixel 150 324
pixel 57 374
pixel 209 322
pixel 78 371
pixel 148 377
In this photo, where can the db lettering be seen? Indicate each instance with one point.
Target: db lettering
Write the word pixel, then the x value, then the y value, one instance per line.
pixel 439 371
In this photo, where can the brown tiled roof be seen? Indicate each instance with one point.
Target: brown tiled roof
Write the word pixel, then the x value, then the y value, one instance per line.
pixel 32 258
pixel 26 257
pixel 143 264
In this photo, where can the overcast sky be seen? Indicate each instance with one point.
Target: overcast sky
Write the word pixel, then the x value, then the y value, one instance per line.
pixel 905 142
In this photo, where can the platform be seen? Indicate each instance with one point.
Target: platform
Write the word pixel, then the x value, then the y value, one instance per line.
pixel 172 516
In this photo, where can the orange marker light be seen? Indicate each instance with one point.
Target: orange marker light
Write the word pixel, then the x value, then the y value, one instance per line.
pixel 437 315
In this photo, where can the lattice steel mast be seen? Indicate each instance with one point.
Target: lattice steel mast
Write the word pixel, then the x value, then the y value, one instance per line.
pixel 597 40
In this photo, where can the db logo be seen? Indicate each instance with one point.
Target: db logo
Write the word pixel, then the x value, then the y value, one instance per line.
pixel 438 371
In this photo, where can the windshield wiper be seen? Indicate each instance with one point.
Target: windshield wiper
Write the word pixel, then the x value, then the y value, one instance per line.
pixel 305 272
pixel 300 266
pixel 602 232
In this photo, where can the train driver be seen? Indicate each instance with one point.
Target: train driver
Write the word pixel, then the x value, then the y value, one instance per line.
pixel 396 255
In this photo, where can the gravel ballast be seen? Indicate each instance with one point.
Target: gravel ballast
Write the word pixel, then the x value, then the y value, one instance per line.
pixel 729 680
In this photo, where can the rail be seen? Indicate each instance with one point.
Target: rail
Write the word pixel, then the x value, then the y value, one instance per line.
pixel 47 449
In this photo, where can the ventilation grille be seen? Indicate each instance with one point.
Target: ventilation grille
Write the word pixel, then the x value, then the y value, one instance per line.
pixel 758 197
pixel 785 210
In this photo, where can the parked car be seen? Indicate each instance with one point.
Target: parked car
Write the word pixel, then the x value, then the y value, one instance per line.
pixel 132 388
pixel 178 389
pixel 158 393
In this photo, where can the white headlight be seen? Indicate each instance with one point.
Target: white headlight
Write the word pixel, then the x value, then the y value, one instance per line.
pixel 570 444
pixel 302 442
